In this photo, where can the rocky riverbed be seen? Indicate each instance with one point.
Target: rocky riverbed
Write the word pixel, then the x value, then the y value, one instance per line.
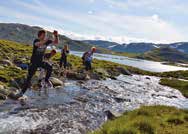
pixel 82 106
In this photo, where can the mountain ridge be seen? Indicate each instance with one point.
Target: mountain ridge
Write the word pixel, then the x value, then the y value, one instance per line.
pixel 140 47
pixel 25 34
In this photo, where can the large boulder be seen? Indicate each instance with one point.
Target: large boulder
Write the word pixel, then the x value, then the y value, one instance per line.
pixel 111 115
pixel 56 82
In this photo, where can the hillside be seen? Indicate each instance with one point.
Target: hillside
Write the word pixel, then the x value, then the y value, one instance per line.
pixel 165 54
pixel 26 34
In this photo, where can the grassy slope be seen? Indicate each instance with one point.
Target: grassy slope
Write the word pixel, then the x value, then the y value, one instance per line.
pixel 16 51
pixel 165 54
pixel 148 120
pixel 182 86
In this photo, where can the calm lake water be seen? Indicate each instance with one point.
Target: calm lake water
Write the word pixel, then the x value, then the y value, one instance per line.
pixel 138 63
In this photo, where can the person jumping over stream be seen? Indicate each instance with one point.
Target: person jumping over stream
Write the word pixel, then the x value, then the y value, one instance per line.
pixel 39 47
pixel 47 58
pixel 87 60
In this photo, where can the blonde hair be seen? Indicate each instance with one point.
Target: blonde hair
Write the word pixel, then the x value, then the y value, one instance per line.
pixel 93 48
pixel 66 47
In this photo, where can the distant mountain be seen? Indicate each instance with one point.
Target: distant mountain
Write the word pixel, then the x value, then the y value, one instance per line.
pixel 104 44
pixel 26 34
pixel 165 54
pixel 181 46
pixel 137 47
pixel 130 48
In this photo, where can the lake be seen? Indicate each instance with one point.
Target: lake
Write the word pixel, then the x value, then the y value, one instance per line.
pixel 138 63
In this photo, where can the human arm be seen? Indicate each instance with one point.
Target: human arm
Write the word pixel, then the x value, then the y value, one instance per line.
pixel 56 39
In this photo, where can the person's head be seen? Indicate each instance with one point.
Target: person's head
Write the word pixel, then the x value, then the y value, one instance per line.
pixel 42 34
pixel 66 47
pixel 93 49
pixel 53 52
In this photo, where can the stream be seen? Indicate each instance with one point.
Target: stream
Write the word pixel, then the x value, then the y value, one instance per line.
pixel 80 106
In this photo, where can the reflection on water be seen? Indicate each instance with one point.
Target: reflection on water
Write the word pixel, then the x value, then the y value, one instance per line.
pixel 142 64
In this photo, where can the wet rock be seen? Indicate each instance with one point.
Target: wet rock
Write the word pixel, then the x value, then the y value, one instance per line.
pixel 123 71
pixel 71 75
pixel 120 100
pixel 81 76
pixel 113 78
pixel 17 83
pixel 111 115
pixel 148 78
pixel 12 95
pixel 2 97
pixel 76 76
pixel 80 82
pixel 3 91
pixel 56 82
pixel 58 87
pixel 13 89
pixel 82 99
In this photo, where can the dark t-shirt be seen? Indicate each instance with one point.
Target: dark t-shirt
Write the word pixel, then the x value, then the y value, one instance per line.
pixel 64 54
pixel 38 52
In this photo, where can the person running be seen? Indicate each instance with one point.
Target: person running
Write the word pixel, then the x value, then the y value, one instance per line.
pixel 39 47
pixel 87 58
pixel 63 59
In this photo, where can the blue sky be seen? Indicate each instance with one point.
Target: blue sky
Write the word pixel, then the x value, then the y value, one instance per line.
pixel 160 21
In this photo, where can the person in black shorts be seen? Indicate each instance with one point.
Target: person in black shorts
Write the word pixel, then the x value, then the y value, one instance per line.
pixel 39 47
pixel 63 59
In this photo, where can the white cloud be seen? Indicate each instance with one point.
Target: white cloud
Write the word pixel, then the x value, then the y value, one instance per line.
pixel 90 12
pixel 103 25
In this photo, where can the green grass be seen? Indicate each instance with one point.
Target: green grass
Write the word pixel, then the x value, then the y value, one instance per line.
pixel 148 120
pixel 182 86
pixel 13 51
pixel 17 52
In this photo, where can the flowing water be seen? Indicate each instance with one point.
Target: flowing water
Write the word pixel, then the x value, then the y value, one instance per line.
pixel 80 107
pixel 138 63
